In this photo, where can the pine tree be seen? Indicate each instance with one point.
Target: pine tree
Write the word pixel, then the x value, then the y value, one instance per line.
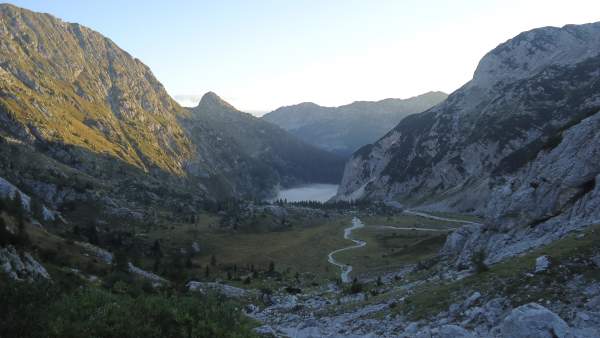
pixel 22 235
pixel 157 261
pixel 155 250
pixel 37 209
pixel 271 266
pixel 213 260
pixel 121 262
pixel 5 235
pixel 93 235
pixel 17 205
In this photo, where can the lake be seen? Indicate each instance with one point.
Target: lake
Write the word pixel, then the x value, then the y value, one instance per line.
pixel 309 192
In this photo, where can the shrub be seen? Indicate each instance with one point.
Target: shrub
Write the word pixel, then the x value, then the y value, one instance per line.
pixel 478 261
pixel 40 310
pixel 355 287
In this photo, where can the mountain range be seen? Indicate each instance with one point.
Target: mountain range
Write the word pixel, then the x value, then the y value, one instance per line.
pixel 517 145
pixel 72 98
pixel 474 214
pixel 256 156
pixel 344 129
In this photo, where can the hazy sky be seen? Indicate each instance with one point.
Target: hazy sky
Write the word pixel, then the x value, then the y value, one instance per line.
pixel 260 55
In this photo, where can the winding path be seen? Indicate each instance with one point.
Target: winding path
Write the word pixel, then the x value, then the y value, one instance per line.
pixel 437 218
pixel 357 224
pixel 416 229
pixel 346 269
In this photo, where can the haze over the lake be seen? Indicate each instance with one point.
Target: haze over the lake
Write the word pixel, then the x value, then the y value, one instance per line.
pixel 309 192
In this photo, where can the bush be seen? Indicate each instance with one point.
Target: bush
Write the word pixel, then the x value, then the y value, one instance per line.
pixel 478 260
pixel 22 307
pixel 40 310
pixel 355 287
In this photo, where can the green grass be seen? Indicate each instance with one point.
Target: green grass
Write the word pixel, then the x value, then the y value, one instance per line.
pixel 391 249
pixel 301 247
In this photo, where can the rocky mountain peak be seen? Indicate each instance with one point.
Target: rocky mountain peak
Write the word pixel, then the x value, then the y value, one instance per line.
pixel 212 102
pixel 513 102
pixel 529 52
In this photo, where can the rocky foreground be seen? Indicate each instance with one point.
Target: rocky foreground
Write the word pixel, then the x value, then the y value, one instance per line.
pixel 328 312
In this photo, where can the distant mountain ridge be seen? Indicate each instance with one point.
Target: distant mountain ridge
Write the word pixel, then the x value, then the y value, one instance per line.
pixel 346 128
pixel 105 129
pixel 257 155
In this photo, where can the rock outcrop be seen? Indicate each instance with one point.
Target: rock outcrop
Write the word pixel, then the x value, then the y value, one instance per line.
pixel 556 193
pixel 517 145
pixel 153 278
pixel 524 93
pixel 534 321
pixel 21 266
pixel 223 289
pixel 8 191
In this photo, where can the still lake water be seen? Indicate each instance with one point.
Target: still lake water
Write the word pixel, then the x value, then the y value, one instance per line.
pixel 309 192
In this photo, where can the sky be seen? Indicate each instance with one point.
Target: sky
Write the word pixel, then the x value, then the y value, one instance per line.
pixel 260 55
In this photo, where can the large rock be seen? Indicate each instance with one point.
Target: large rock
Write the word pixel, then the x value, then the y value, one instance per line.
pixel 534 321
pixel 155 279
pixel 542 264
pixel 224 289
pixel 21 267
pixel 453 331
pixel 8 190
pixel 104 255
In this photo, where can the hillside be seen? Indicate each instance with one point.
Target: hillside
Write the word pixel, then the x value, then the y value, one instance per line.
pixel 123 214
pixel 65 84
pixel 255 154
pixel 516 145
pixel 346 128
pixel 71 97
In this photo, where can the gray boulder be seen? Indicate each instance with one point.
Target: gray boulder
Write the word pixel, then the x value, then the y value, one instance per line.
pixel 596 260
pixel 21 267
pixel 225 290
pixel 155 279
pixel 453 331
pixel 542 264
pixel 8 190
pixel 104 255
pixel 534 321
